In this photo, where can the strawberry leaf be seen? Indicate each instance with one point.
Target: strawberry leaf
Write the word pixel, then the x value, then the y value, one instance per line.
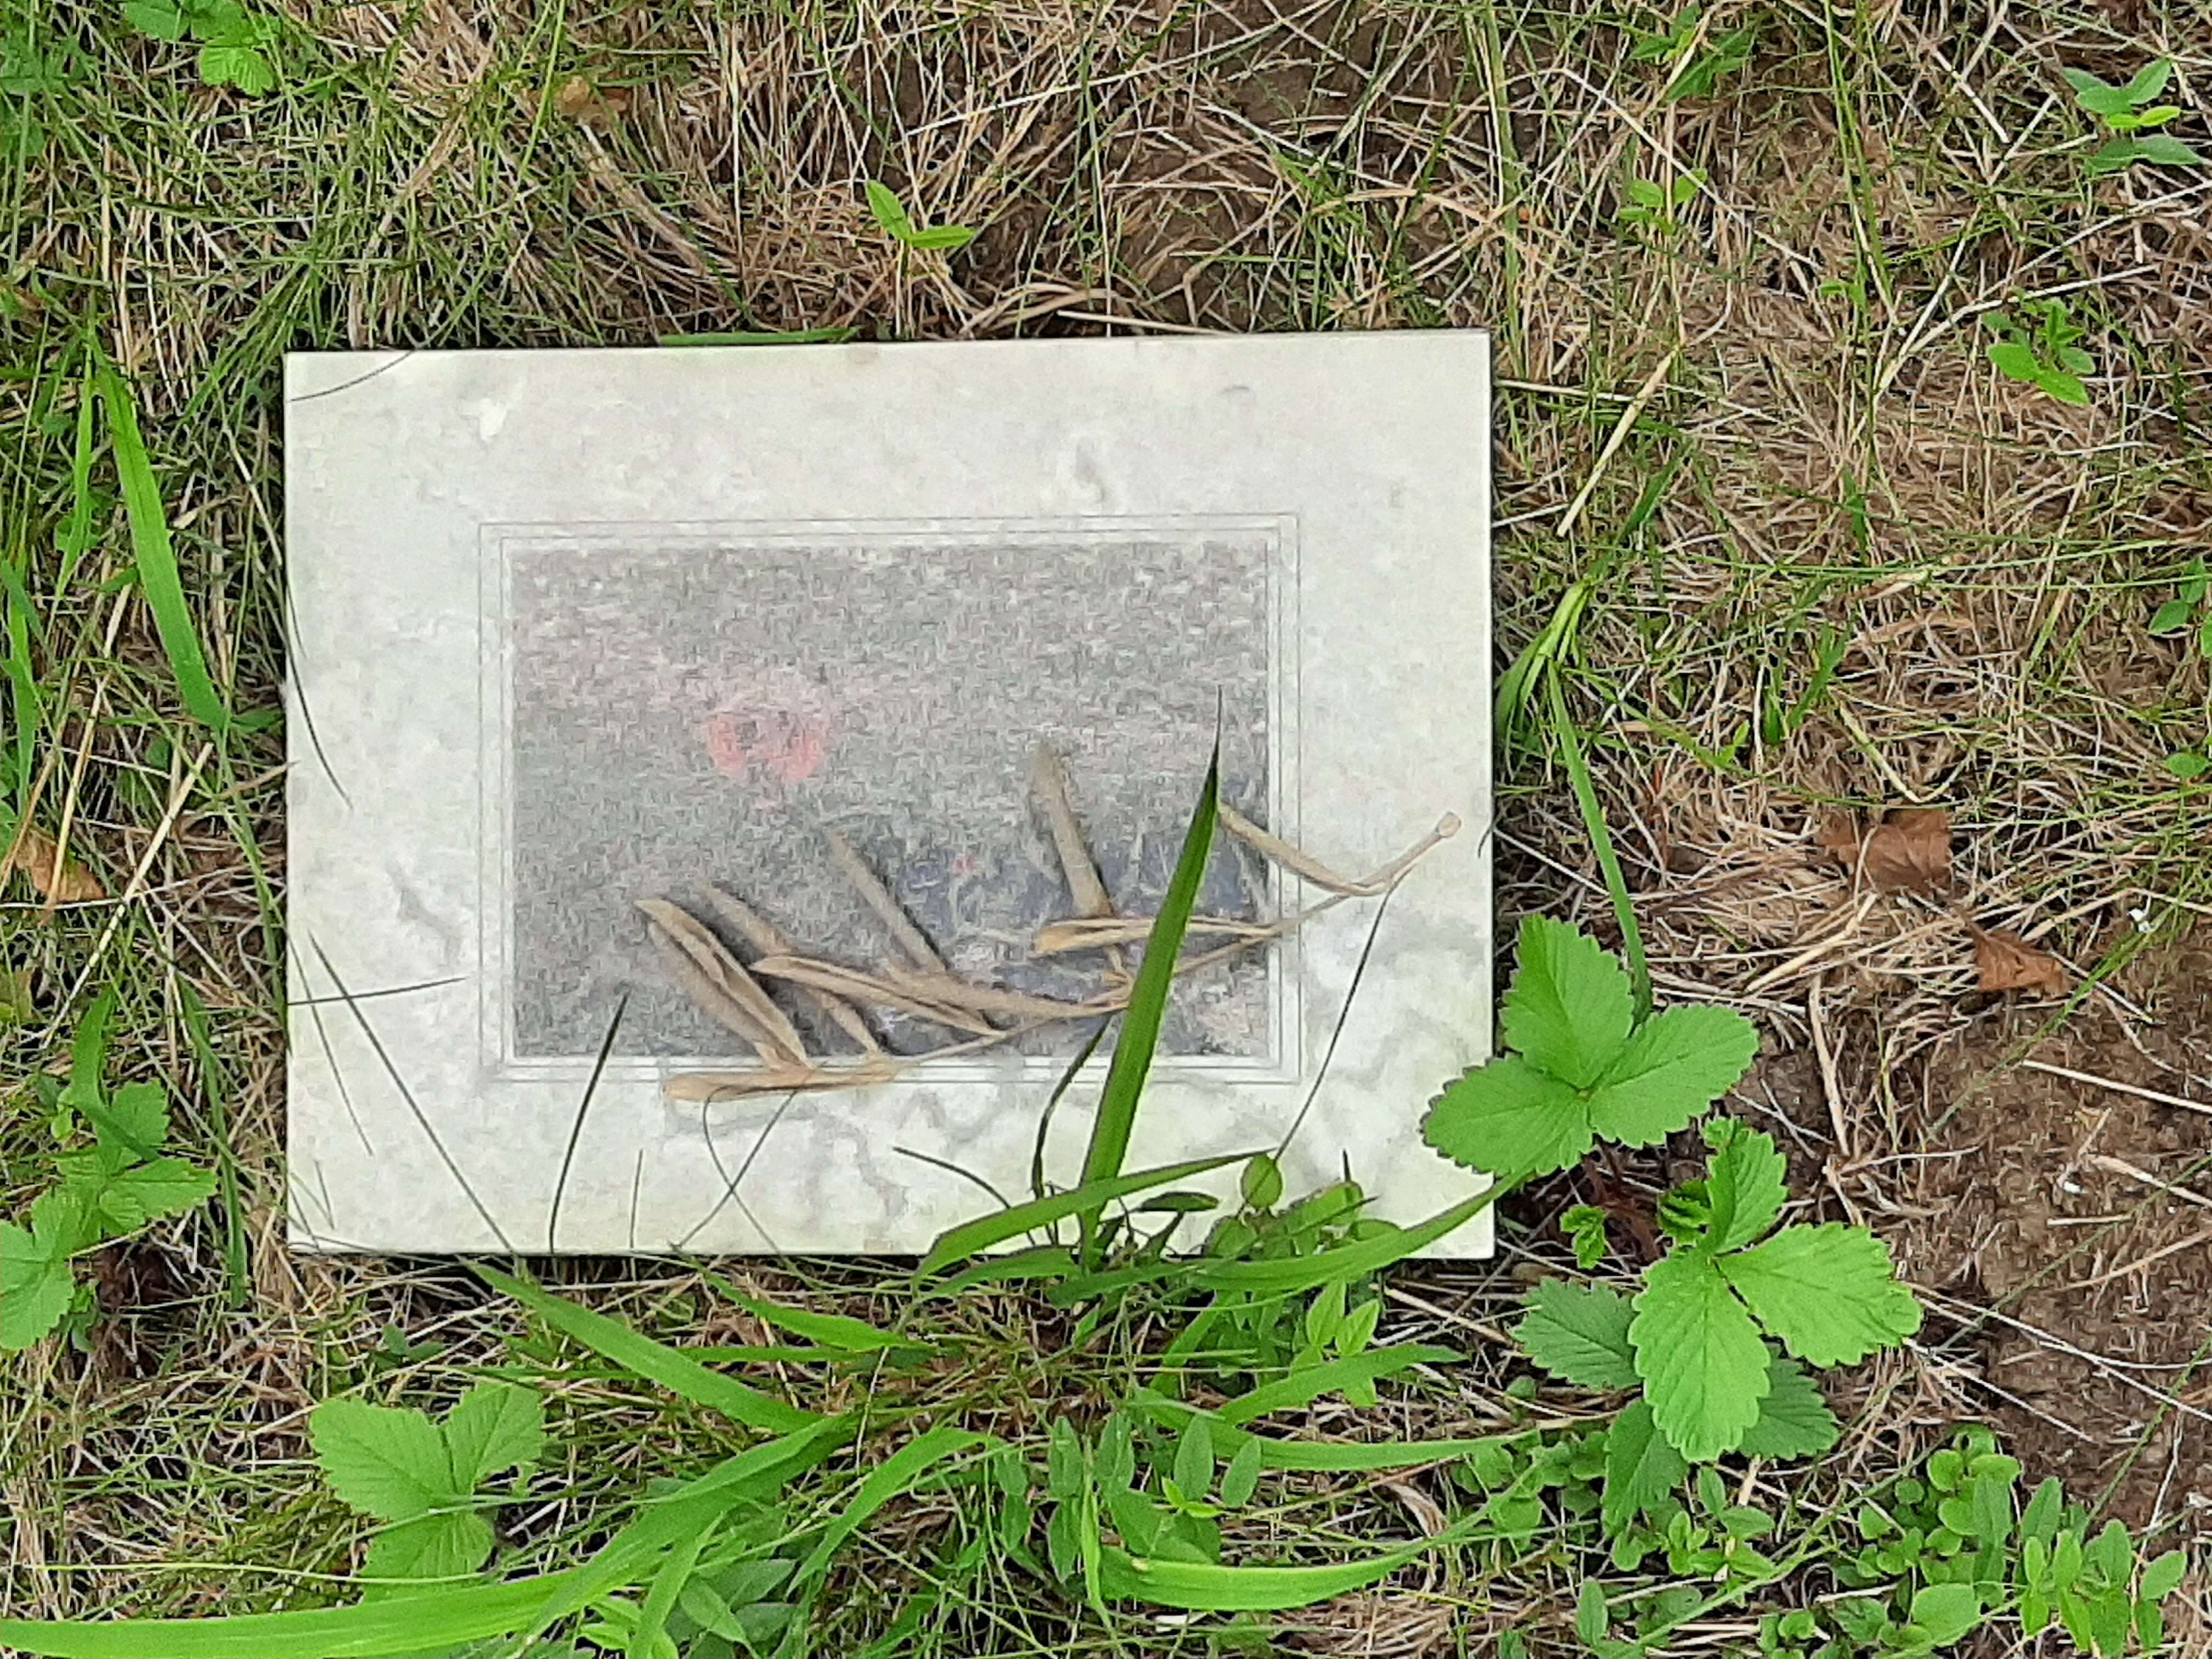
pixel 1570 1008
pixel 389 1463
pixel 36 1286
pixel 1677 1064
pixel 1744 1187
pixel 1794 1421
pixel 1704 1368
pixel 1830 1292
pixel 1511 1119
pixel 430 1546
pixel 1642 1470
pixel 148 1191
pixel 497 1425
pixel 1579 1333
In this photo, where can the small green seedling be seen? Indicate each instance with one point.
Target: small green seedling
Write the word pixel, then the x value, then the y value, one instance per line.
pixel 1653 208
pixel 2038 346
pixel 1697 72
pixel 2189 612
pixel 423 1479
pixel 2129 113
pixel 114 1188
pixel 891 214
pixel 238 48
pixel 29 74
pixel 1581 1065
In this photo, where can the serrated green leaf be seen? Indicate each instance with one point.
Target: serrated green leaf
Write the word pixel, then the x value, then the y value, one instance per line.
pixel 246 68
pixel 1570 1007
pixel 132 1197
pixel 1584 1225
pixel 1642 1469
pixel 388 1462
pixel 1512 1120
pixel 133 1120
pixel 158 18
pixel 36 1287
pixel 1677 1064
pixel 1579 1333
pixel 496 1426
pixel 2013 359
pixel 448 1546
pixel 1794 1420
pixel 1746 1185
pixel 1704 1368
pixel 1830 1292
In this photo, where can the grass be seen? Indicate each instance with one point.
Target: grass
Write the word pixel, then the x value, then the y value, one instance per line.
pixel 1824 448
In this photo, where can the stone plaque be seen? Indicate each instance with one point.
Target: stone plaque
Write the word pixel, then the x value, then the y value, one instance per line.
pixel 798 635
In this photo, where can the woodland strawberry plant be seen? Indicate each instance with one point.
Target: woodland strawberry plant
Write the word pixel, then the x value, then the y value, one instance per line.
pixel 1724 1322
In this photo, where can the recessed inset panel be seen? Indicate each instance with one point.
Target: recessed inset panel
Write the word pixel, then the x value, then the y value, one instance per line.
pixel 694 708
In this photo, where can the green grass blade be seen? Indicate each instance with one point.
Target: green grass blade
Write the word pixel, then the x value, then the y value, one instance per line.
pixel 1202 1587
pixel 392 1625
pixel 1616 884
pixel 838 1333
pixel 1303 1388
pixel 960 1243
pixel 656 1361
pixel 215 1084
pixel 157 558
pixel 759 1474
pixel 902 1472
pixel 1346 1261
pixel 1148 1001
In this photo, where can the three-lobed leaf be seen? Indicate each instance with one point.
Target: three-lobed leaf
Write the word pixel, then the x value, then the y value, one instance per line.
pixel 1570 1008
pixel 36 1286
pixel 1830 1292
pixel 497 1427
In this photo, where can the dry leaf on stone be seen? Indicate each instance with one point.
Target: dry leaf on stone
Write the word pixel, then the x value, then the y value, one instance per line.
pixel 2006 962
pixel 59 880
pixel 1908 851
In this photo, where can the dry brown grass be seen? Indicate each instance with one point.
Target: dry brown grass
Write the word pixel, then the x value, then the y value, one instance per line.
pixel 1826 448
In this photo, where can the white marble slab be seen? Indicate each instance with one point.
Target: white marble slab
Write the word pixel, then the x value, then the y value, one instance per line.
pixel 573 629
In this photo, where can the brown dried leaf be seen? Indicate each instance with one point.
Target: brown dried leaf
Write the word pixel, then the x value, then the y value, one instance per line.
pixel 2006 962
pixel 1908 851
pixel 586 105
pixel 722 988
pixel 766 939
pixel 59 880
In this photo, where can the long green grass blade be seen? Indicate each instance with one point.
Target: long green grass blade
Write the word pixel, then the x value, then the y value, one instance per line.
pixel 1314 1457
pixel 1608 862
pixel 1346 1261
pixel 1303 1388
pixel 1202 1587
pixel 157 558
pixel 655 1361
pixel 1148 1001
pixel 899 1473
pixel 837 1332
pixel 962 1242
pixel 392 1625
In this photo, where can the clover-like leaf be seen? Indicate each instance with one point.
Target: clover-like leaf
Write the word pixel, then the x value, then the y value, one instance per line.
pixel 36 1286
pixel 1511 1119
pixel 1579 1333
pixel 1831 1292
pixel 1794 1420
pixel 1704 1368
pixel 1570 1008
pixel 1677 1064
